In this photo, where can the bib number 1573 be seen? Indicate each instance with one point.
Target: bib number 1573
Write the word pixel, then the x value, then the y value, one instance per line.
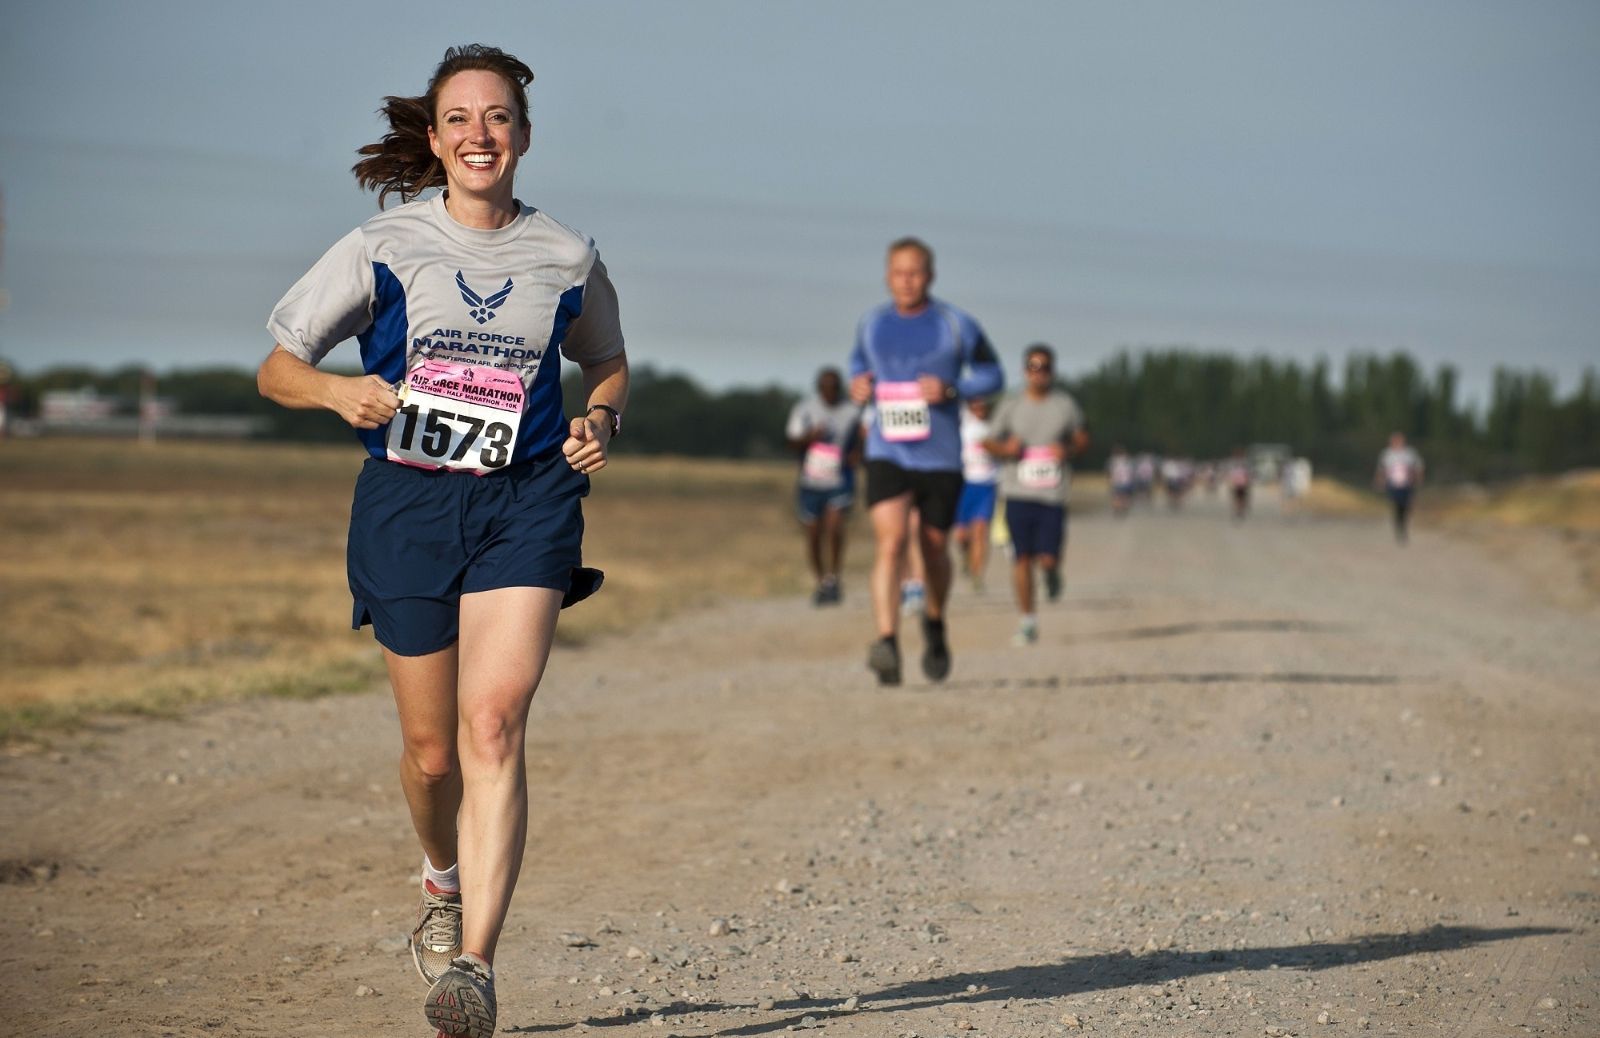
pixel 456 416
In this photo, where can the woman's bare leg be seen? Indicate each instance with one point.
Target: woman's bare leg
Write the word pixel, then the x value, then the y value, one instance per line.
pixel 506 636
pixel 430 773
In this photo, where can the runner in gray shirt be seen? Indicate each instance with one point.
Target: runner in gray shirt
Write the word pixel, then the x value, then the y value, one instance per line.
pixel 1037 434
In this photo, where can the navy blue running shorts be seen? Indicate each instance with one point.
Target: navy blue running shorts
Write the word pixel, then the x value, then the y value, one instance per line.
pixel 1036 528
pixel 420 539
pixel 810 504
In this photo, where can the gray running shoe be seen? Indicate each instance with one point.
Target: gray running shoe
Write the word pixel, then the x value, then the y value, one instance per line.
pixel 436 940
pixel 883 659
pixel 461 1002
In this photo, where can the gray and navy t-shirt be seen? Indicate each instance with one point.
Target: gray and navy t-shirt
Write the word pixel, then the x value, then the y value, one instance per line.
pixel 411 284
pixel 1041 425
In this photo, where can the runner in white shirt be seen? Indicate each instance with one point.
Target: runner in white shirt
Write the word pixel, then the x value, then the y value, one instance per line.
pixel 1120 474
pixel 1399 474
pixel 825 431
pixel 980 474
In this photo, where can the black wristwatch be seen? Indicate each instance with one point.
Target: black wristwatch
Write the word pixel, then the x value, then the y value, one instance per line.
pixel 616 417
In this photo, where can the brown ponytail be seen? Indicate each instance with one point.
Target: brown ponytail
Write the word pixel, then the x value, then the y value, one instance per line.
pixel 402 162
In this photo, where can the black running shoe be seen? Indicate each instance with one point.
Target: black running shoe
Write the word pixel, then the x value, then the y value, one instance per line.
pixel 883 659
pixel 935 653
pixel 1052 583
pixel 827 592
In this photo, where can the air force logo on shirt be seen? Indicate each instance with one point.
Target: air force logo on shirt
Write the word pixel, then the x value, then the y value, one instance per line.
pixel 482 309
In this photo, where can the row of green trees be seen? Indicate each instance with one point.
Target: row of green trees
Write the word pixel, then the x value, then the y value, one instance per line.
pixel 667 413
pixel 1207 404
pixel 1172 401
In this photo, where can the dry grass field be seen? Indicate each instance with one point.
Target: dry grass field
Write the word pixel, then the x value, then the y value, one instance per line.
pixel 1567 502
pixel 143 577
pixel 1549 523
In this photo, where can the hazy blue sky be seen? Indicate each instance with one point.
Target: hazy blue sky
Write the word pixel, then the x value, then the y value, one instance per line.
pixel 1284 177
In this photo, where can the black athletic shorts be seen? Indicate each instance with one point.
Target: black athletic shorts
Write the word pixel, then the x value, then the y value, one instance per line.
pixel 934 494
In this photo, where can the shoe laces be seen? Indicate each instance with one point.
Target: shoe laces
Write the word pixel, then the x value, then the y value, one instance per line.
pixel 440 925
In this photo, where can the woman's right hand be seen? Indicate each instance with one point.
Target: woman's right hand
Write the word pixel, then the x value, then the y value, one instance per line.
pixel 365 401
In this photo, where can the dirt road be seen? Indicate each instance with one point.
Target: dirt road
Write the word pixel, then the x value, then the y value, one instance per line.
pixel 1272 778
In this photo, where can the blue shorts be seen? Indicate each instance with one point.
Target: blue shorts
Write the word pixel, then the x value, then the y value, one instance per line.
pixel 976 502
pixel 421 539
pixel 809 504
pixel 1036 528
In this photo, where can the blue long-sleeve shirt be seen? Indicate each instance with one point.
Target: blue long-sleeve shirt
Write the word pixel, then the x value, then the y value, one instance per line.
pixel 941 341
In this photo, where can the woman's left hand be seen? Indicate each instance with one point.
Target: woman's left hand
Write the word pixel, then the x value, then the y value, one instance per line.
pixel 586 445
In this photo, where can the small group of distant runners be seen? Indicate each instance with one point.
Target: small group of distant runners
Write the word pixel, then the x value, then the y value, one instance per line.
pixel 922 375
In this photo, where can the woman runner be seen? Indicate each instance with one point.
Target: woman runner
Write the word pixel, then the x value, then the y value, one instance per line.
pixel 466 530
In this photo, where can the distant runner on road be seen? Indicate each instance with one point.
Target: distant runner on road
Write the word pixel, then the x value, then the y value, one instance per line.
pixel 1399 474
pixel 1037 433
pixel 825 431
pixel 1120 474
pixel 915 358
pixel 1238 473
pixel 980 490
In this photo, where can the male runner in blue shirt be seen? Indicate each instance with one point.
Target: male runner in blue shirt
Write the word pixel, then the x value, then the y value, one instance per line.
pixel 915 359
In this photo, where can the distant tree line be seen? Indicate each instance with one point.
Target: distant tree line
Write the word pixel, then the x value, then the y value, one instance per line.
pixel 1204 404
pixel 1175 401
pixel 667 413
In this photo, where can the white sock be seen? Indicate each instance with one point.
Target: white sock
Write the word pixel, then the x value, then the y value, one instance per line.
pixel 446 880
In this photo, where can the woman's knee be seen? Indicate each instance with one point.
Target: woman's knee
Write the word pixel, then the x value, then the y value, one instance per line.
pixel 432 759
pixel 492 735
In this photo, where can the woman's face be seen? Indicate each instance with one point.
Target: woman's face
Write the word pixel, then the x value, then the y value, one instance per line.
pixel 477 135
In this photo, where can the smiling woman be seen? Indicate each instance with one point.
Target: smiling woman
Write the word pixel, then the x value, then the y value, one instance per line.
pixel 409 160
pixel 467 528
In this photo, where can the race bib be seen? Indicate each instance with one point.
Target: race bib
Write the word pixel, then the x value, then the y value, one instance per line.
pixel 977 464
pixel 456 416
pixel 1399 474
pixel 902 412
pixel 1039 469
pixel 823 467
